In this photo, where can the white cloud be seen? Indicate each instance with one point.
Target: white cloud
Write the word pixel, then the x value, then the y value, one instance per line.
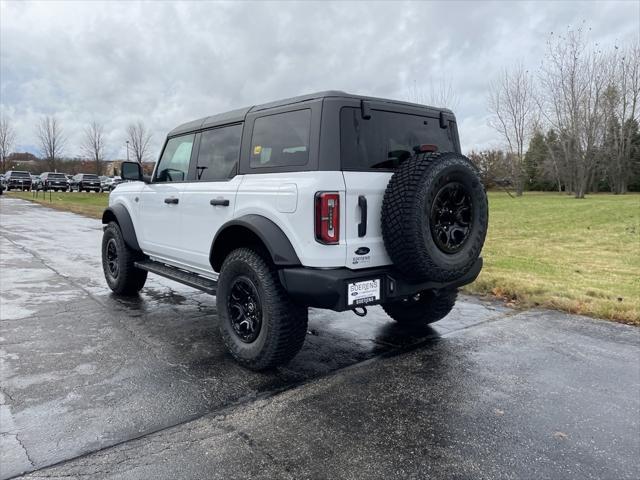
pixel 166 63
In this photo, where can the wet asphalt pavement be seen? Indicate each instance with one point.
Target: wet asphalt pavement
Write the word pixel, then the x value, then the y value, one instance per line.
pixel 92 385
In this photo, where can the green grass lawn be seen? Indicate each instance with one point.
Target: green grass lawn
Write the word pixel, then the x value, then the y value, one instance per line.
pixel 581 256
pixel 543 249
pixel 89 204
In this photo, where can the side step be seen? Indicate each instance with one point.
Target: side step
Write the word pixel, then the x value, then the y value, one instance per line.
pixel 178 275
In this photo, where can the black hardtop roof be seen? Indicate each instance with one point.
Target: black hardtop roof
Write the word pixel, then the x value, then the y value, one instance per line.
pixel 239 115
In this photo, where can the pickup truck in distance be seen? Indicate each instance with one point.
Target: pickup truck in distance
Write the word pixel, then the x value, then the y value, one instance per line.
pixel 17 180
pixel 328 200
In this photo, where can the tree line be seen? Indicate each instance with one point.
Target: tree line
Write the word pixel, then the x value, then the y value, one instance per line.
pixel 52 142
pixel 571 126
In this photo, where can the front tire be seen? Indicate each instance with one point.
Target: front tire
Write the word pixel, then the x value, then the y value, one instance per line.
pixel 118 263
pixel 422 309
pixel 260 325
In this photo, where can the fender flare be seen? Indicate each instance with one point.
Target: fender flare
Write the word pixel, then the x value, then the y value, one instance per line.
pixel 271 235
pixel 120 214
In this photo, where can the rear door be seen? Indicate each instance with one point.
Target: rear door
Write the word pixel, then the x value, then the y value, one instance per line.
pixel 209 200
pixel 370 151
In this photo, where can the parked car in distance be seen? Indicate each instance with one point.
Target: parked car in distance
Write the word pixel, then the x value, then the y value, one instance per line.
pixel 2 187
pixel 115 181
pixel 86 182
pixel 109 183
pixel 18 180
pixel 53 181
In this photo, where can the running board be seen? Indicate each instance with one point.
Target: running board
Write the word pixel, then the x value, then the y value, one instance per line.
pixel 178 275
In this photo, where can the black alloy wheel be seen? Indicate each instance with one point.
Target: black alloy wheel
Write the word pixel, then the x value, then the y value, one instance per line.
pixel 112 258
pixel 450 217
pixel 245 309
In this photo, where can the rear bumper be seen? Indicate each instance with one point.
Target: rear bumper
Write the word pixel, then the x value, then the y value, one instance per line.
pixel 327 288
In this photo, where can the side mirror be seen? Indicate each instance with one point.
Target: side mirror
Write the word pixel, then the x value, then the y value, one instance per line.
pixel 131 171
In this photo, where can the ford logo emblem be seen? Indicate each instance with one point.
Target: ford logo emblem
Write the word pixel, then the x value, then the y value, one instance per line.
pixel 362 251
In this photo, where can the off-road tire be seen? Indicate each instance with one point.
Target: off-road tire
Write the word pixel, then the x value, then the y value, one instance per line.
pixel 129 279
pixel 406 230
pixel 429 307
pixel 283 323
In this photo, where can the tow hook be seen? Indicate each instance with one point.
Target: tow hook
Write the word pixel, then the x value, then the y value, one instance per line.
pixel 363 313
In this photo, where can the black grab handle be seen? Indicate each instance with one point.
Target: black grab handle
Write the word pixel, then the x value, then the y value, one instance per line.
pixel 219 202
pixel 362 226
pixel 171 200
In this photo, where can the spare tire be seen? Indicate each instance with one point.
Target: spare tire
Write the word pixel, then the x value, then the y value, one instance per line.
pixel 434 217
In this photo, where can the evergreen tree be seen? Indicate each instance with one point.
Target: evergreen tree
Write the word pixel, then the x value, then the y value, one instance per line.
pixel 533 162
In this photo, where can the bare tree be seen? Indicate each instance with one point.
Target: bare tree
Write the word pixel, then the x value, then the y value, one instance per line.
pixel 7 139
pixel 139 138
pixel 574 79
pixel 51 139
pixel 620 111
pixel 440 94
pixel 514 110
pixel 93 144
pixel 492 166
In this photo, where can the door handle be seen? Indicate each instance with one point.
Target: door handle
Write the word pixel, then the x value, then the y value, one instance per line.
pixel 219 202
pixel 171 200
pixel 362 226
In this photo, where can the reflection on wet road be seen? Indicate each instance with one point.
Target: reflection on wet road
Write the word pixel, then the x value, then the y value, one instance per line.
pixel 99 387
pixel 82 369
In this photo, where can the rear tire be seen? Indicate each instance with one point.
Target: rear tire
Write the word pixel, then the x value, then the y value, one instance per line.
pixel 260 325
pixel 118 263
pixel 427 308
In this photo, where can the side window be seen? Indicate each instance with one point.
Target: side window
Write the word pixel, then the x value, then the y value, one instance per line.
pixel 219 153
pixel 281 140
pixel 174 164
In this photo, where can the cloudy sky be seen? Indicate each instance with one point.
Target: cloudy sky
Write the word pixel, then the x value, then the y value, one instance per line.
pixel 170 62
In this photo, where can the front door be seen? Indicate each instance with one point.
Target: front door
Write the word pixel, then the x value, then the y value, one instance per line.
pixel 208 202
pixel 160 201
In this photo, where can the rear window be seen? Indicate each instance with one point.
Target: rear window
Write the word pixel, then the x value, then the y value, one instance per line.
pixel 57 176
pixel 21 174
pixel 281 140
pixel 387 138
pixel 90 177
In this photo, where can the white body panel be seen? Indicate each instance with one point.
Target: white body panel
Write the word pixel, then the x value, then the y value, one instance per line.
pixel 372 186
pixel 181 234
pixel 288 200
pixel 201 220
pixel 159 224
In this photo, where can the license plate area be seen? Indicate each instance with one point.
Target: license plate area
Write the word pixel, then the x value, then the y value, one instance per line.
pixel 363 292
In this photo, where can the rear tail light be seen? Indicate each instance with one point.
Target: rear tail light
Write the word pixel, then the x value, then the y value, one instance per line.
pixel 328 217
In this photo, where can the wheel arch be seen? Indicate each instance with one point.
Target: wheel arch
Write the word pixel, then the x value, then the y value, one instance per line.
pixel 118 213
pixel 252 230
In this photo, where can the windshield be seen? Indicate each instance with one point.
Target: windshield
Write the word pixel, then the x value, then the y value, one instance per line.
pixel 388 138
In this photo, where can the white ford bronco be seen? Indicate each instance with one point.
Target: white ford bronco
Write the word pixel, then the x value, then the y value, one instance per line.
pixel 328 200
